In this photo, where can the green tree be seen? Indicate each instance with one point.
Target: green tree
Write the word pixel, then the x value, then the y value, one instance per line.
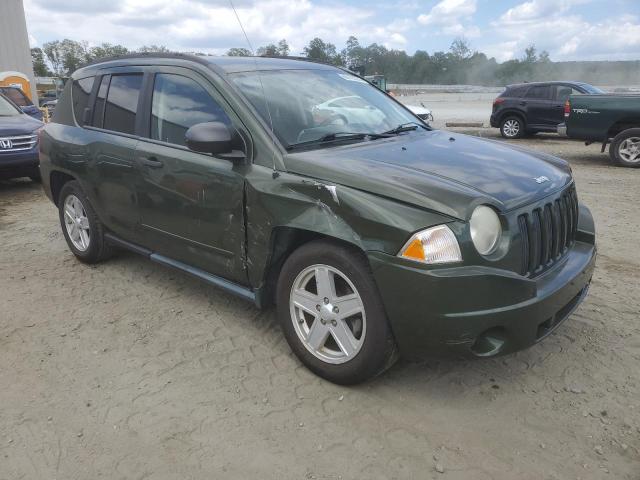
pixel 322 51
pixel 105 50
pixel 40 67
pixel 460 49
pixel 66 56
pixel 283 48
pixel 153 49
pixel 270 50
pixel 238 52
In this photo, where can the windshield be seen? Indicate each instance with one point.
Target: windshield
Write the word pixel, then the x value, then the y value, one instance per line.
pixel 591 89
pixel 7 109
pixel 310 105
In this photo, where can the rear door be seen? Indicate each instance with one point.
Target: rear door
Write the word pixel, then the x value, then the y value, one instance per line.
pixel 191 204
pixel 114 123
pixel 539 104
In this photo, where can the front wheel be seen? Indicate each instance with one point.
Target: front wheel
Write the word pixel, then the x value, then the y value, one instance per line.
pixel 625 148
pixel 512 127
pixel 331 313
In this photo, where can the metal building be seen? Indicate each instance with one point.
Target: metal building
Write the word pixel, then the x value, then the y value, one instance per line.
pixel 15 53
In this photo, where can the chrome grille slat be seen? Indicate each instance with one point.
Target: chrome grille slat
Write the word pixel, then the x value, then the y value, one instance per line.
pixel 547 232
pixel 19 143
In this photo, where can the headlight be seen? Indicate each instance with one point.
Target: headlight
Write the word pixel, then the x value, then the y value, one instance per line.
pixel 485 229
pixel 433 245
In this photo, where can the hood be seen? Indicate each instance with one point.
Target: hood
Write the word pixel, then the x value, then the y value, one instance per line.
pixel 18 125
pixel 442 171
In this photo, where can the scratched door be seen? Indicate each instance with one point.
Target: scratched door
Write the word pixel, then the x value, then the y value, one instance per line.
pixel 191 204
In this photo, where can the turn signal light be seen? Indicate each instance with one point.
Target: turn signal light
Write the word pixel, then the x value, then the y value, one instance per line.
pixel 433 245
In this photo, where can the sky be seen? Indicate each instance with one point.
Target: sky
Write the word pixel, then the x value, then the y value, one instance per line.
pixel 567 29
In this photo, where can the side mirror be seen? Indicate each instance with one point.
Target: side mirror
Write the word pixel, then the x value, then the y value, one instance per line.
pixel 214 138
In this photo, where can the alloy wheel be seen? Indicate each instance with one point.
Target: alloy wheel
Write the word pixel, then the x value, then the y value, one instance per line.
pixel 511 128
pixel 328 314
pixel 77 223
pixel 629 150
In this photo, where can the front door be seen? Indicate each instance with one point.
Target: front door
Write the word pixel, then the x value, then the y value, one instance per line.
pixel 190 203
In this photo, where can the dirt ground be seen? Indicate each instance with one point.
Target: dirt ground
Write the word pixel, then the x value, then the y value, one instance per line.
pixel 128 370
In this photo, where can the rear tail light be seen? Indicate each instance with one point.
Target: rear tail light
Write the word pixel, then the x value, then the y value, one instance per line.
pixel 567 109
pixel 498 101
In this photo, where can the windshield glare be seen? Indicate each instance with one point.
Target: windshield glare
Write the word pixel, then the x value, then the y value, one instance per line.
pixel 307 105
pixel 7 109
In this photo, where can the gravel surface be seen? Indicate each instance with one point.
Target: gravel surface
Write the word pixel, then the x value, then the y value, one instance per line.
pixel 128 370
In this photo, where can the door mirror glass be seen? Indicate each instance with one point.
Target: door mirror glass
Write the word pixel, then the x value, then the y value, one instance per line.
pixel 209 137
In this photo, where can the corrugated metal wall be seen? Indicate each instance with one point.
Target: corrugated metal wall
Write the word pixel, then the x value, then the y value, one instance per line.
pixel 15 53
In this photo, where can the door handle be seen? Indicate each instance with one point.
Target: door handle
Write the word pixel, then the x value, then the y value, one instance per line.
pixel 523 103
pixel 151 162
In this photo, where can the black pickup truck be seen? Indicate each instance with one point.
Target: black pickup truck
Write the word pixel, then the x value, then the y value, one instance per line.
pixel 607 119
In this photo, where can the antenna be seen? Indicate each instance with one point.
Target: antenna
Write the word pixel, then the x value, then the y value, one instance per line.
pixel 264 95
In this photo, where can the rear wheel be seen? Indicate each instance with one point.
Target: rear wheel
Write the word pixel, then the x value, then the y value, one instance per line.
pixel 80 225
pixel 625 148
pixel 512 127
pixel 331 313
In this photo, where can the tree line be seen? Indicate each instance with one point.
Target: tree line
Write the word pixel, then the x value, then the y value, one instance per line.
pixel 459 65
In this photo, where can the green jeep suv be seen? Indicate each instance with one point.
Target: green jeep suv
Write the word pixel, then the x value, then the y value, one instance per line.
pixel 374 234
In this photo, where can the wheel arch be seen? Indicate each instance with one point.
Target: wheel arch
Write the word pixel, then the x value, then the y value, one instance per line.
pixel 513 113
pixel 283 242
pixel 57 180
pixel 622 125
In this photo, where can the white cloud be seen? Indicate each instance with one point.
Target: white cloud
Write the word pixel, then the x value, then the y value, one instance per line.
pixel 551 26
pixel 210 25
pixel 452 17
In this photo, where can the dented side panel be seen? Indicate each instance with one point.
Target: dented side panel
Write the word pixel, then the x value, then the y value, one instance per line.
pixel 369 222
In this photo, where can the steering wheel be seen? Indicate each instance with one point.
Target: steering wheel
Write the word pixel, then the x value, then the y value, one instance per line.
pixel 335 119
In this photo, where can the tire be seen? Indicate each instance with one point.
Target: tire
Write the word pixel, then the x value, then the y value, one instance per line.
pixel 625 148
pixel 512 127
pixel 96 248
pixel 370 344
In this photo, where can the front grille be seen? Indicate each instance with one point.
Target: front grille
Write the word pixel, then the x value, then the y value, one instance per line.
pixel 548 231
pixel 18 143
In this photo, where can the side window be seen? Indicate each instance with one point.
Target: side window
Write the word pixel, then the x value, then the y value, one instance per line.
pixel 122 103
pixel 564 91
pixel 539 92
pixel 98 110
pixel 179 103
pixel 80 92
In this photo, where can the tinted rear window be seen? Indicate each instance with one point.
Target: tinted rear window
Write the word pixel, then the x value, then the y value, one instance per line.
pixel 542 92
pixel 515 92
pixel 122 103
pixel 80 92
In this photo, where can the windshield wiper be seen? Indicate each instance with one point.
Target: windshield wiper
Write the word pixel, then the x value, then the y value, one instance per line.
pixel 404 127
pixel 338 136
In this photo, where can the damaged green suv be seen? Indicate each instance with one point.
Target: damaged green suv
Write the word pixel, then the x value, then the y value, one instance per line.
pixel 300 184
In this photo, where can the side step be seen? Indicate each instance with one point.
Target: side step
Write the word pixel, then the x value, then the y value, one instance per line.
pixel 234 288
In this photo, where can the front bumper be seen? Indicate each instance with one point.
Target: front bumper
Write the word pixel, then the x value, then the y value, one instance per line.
pixel 19 164
pixel 479 311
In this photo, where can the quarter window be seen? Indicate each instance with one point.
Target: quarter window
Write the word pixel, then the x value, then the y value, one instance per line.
pixel 81 91
pixel 122 103
pixel 179 103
